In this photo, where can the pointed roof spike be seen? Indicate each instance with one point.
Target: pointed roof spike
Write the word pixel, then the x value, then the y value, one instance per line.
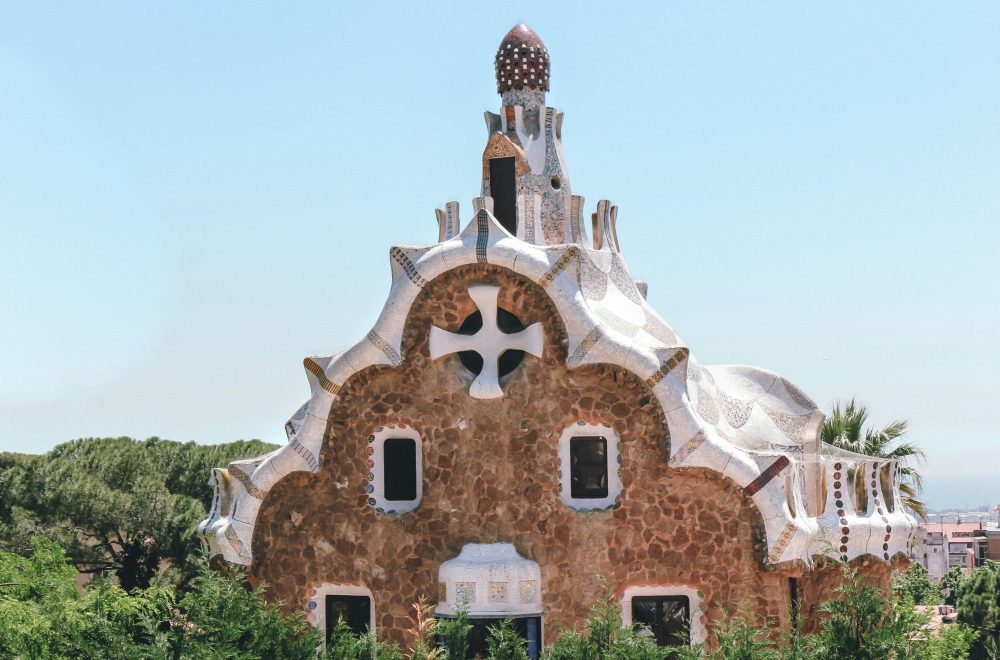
pixel 523 38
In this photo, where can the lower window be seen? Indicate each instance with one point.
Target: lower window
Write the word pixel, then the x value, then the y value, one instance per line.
pixel 530 628
pixel 668 617
pixel 355 611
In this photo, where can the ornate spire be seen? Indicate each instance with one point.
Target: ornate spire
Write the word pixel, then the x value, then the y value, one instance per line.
pixel 522 61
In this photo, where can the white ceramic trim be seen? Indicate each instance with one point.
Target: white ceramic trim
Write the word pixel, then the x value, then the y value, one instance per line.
pixel 481 567
pixel 316 606
pixel 375 487
pixel 614 458
pixel 698 633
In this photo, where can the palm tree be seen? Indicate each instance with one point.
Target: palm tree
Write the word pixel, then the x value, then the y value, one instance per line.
pixel 845 429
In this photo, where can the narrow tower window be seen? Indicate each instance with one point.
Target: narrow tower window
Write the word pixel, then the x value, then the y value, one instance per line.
pixel 400 463
pixel 503 190
pixel 588 457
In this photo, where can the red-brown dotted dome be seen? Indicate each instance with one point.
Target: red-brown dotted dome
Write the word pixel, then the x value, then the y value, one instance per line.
pixel 522 61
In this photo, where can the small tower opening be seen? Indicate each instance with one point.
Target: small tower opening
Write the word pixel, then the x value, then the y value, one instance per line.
pixel 503 190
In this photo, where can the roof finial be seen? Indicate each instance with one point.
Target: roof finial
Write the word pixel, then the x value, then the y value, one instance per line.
pixel 522 61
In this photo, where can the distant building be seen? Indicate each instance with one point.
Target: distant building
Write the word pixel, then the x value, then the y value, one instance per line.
pixel 931 552
pixel 964 545
pixel 986 546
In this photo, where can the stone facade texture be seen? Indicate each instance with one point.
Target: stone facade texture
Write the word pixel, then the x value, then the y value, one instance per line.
pixel 491 475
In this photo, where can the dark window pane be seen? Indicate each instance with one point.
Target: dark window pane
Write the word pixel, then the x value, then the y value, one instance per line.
pixel 529 628
pixel 503 190
pixel 588 457
pixel 399 456
pixel 356 611
pixel 668 617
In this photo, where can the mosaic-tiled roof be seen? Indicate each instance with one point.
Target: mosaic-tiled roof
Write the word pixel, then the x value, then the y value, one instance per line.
pixel 522 61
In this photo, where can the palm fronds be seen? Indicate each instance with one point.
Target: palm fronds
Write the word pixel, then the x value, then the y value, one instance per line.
pixel 847 428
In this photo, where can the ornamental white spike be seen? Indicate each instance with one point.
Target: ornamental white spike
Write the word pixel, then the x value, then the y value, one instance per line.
pixel 489 342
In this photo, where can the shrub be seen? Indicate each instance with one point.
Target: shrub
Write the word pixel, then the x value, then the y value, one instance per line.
pixel 505 643
pixel 345 645
pixel 454 635
pixel 915 585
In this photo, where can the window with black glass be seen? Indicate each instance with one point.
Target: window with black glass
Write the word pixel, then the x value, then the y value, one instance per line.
pixel 588 457
pixel 355 611
pixel 503 190
pixel 668 617
pixel 529 628
pixel 399 457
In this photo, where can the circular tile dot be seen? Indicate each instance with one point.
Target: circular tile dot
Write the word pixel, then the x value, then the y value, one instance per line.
pixel 845 530
pixel 843 548
pixel 886 556
pixel 879 511
pixel 843 521
pixel 836 466
pixel 837 494
pixel 843 539
pixel 836 484
pixel 836 475
pixel 885 546
pixel 840 504
pixel 841 513
pixel 886 539
pixel 888 528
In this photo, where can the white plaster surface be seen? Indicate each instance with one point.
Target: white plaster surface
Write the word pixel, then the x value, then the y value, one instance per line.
pixel 490 579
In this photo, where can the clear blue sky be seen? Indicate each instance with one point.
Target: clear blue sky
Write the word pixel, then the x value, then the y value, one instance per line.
pixel 194 196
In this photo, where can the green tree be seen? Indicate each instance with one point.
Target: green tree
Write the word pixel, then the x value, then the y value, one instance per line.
pixel 951 583
pixel 43 616
pixel 846 428
pixel 915 584
pixel 978 607
pixel 117 505
pixel 862 624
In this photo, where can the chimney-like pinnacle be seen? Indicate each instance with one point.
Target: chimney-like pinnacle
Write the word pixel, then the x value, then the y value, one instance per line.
pixel 522 61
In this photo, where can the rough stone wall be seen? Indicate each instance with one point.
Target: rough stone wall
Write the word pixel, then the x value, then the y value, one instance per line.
pixel 819 585
pixel 490 475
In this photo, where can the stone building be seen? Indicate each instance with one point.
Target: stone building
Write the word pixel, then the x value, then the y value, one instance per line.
pixel 519 420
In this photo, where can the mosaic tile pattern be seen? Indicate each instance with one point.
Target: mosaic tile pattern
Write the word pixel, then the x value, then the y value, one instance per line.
pixel 669 365
pixel 766 476
pixel 497 592
pixel 526 590
pixel 522 61
pixel 404 262
pixel 465 592
pixel 244 478
pixel 586 345
pixel 571 253
pixel 320 375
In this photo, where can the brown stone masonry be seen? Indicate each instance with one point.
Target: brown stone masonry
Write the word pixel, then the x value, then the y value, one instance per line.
pixel 490 475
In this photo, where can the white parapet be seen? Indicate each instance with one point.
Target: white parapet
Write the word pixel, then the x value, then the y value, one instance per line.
pixel 489 579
